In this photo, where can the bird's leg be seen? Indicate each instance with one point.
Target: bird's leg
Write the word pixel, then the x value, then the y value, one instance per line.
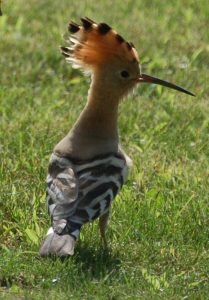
pixel 103 221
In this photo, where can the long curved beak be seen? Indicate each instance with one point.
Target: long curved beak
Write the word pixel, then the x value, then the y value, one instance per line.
pixel 144 78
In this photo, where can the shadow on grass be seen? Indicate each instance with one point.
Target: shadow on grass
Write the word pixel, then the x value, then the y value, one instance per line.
pixel 95 263
pixel 98 263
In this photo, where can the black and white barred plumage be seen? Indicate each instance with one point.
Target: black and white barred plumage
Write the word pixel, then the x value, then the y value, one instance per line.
pixel 81 191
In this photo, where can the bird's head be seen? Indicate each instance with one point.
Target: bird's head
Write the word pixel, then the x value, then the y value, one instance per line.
pixel 112 61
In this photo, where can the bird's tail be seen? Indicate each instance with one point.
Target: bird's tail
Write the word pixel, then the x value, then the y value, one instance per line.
pixel 58 245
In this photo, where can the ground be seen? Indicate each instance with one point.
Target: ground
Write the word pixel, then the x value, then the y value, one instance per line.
pixel 159 228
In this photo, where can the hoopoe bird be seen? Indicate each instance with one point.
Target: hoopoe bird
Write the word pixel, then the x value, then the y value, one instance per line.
pixel 88 167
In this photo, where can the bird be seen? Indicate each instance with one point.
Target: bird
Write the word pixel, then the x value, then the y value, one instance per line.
pixel 88 167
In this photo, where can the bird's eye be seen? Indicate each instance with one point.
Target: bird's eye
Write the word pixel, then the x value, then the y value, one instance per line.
pixel 124 74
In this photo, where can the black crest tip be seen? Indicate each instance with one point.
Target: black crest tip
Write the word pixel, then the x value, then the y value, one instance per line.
pixel 104 28
pixel 119 38
pixel 87 24
pixel 128 46
pixel 73 27
pixel 66 51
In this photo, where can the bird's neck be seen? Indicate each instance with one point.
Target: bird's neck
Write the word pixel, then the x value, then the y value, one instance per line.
pixel 100 115
pixel 96 130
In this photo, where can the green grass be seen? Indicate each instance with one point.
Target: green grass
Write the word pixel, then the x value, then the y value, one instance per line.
pixel 159 228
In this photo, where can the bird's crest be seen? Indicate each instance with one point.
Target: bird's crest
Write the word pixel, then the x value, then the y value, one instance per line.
pixel 93 44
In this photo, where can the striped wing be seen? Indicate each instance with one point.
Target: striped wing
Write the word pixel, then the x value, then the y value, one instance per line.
pixel 62 188
pixel 81 191
pixel 99 182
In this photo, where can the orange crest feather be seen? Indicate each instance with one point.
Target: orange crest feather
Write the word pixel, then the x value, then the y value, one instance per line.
pixel 94 44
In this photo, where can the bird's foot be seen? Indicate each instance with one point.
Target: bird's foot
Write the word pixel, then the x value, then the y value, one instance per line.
pixel 58 245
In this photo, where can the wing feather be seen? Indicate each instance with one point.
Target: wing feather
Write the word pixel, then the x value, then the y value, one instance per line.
pixel 62 189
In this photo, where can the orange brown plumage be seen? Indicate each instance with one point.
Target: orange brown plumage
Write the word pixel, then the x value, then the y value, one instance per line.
pixel 94 44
